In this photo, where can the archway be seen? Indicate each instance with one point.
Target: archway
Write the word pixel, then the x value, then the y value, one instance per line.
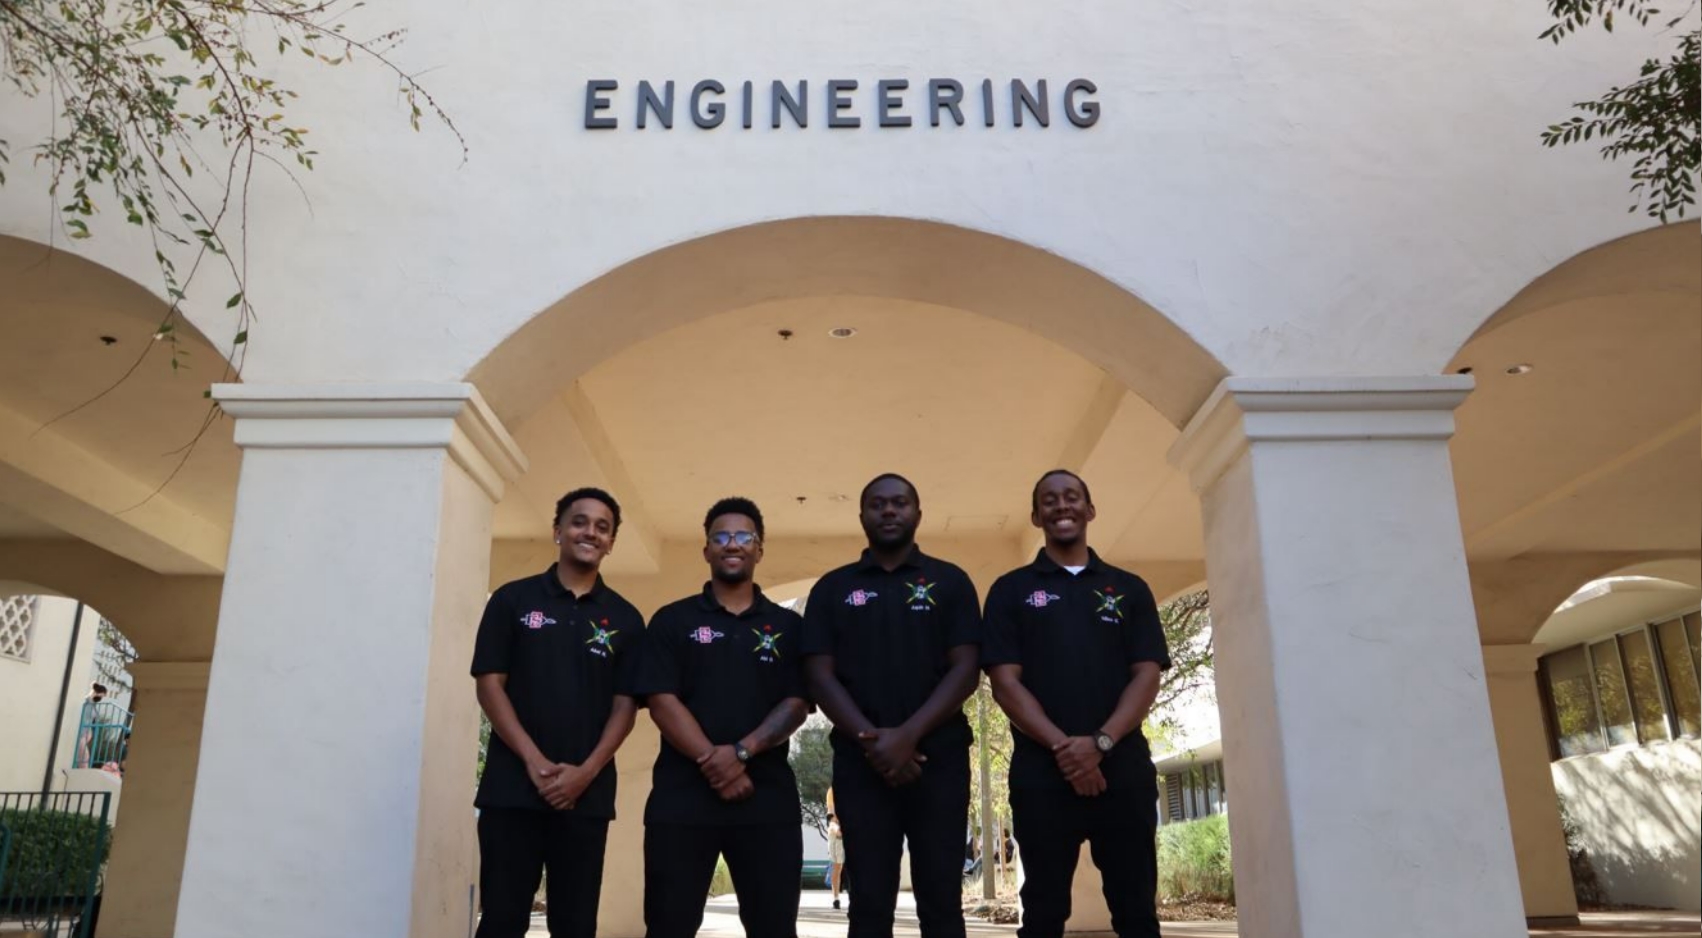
pixel 790 362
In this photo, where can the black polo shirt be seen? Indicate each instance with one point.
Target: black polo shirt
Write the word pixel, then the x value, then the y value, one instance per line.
pixel 1076 636
pixel 888 633
pixel 730 671
pixel 566 659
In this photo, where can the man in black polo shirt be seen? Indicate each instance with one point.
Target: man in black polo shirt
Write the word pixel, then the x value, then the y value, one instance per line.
pixel 723 679
pixel 891 646
pixel 1074 649
pixel 553 666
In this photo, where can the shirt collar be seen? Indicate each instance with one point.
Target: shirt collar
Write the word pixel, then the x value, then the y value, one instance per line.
pixel 913 559
pixel 1044 563
pixel 554 587
pixel 707 601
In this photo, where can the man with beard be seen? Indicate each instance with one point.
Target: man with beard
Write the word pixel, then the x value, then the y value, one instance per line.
pixel 723 677
pixel 891 646
pixel 1074 649
pixel 552 666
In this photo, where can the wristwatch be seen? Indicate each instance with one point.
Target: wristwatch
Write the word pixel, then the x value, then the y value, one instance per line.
pixel 1104 742
pixel 741 753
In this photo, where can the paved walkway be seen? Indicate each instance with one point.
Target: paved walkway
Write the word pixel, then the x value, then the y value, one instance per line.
pixel 817 919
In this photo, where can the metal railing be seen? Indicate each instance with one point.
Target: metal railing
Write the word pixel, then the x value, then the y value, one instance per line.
pixel 103 735
pixel 52 851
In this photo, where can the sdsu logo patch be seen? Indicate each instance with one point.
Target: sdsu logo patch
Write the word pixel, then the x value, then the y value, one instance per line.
pixel 536 620
pixel 704 635
pixel 860 597
pixel 1040 599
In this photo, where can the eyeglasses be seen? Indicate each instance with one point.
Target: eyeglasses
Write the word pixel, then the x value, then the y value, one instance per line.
pixel 741 538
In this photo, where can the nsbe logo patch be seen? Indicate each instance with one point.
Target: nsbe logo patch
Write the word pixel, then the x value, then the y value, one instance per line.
pixel 536 620
pixel 1040 599
pixel 860 597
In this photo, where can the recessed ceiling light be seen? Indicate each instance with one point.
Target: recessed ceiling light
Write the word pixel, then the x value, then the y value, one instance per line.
pixel 842 332
pixel 840 497
pixel 1521 369
pixel 1465 370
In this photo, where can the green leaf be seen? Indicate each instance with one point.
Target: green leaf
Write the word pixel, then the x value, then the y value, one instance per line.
pixel 231 303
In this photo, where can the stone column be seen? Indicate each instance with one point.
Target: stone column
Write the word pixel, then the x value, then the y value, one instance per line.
pixel 139 898
pixel 334 794
pixel 1545 874
pixel 1367 788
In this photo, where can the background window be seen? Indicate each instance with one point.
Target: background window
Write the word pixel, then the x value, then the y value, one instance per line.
pixel 1575 719
pixel 1680 669
pixel 1645 686
pixel 1611 696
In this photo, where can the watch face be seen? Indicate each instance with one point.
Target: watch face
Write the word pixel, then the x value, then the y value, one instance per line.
pixel 1103 742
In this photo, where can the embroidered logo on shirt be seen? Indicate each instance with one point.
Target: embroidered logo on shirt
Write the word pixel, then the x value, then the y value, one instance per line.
pixel 704 635
pixel 536 620
pixel 921 597
pixel 766 639
pixel 602 640
pixel 1040 599
pixel 860 597
pixel 1110 605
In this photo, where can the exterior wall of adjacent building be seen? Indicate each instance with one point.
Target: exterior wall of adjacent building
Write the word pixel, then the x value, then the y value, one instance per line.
pixel 1621 707
pixel 30 684
pixel 1637 812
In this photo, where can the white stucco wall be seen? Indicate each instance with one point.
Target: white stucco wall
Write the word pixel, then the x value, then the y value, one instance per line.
pixel 1638 811
pixel 29 692
pixel 1306 188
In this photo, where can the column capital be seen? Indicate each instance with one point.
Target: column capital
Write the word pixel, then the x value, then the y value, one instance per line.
pixel 170 675
pixel 1246 410
pixel 401 415
pixel 1511 659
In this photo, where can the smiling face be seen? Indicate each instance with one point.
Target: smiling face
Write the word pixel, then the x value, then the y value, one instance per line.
pixel 890 515
pixel 1062 509
pixel 731 561
pixel 586 533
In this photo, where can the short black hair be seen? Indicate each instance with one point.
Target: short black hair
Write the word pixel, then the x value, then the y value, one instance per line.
pixel 914 495
pixel 1034 497
pixel 734 506
pixel 593 493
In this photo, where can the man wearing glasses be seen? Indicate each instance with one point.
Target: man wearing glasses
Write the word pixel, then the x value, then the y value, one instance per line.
pixel 893 643
pixel 722 675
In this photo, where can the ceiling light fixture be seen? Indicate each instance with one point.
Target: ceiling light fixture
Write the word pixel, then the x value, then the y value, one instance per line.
pixel 1521 369
pixel 842 332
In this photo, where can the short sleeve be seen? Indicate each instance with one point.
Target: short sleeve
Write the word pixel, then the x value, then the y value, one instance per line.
pixel 795 684
pixel 1144 632
pixel 963 626
pixel 817 638
pixel 628 658
pixel 999 626
pixel 493 648
pixel 658 666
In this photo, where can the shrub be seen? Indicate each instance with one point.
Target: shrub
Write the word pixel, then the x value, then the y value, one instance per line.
pixel 52 854
pixel 1193 860
pixel 722 883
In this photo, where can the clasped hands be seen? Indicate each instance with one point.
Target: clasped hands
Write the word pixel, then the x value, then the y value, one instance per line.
pixel 892 754
pixel 1079 758
pixel 726 774
pixel 560 783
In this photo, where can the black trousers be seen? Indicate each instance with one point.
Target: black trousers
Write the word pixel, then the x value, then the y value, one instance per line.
pixel 766 860
pixel 1118 828
pixel 930 814
pixel 515 847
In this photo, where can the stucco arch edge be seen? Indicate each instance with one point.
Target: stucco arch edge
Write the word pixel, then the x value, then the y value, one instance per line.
pixel 868 256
